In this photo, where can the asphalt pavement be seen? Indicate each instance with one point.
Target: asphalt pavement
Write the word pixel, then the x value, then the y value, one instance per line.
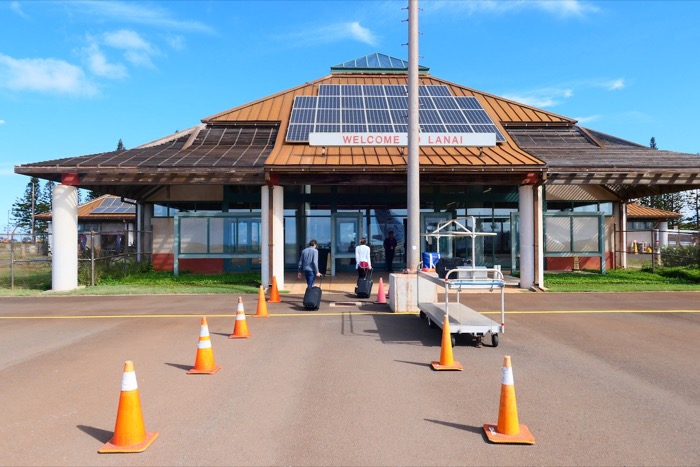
pixel 600 379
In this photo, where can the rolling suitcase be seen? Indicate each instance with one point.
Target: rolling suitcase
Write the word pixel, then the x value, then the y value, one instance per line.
pixel 364 286
pixel 312 298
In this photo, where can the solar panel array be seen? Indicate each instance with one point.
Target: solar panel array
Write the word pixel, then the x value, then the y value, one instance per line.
pixel 378 108
pixel 114 206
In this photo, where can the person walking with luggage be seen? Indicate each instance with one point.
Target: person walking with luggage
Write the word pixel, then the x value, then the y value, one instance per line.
pixel 363 263
pixel 389 250
pixel 308 264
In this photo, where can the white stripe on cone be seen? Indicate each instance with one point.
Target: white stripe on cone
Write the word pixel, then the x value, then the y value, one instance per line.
pixel 129 381
pixel 507 377
pixel 206 344
pixel 204 331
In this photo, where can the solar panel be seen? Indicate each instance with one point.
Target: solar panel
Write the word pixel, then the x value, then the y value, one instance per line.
pixel 350 90
pixel 352 102
pixel 114 206
pixel 379 116
pixel 303 116
pixel 374 90
pixel 426 103
pixel 328 102
pixel 384 109
pixel 394 90
pixel 329 90
pixel 305 102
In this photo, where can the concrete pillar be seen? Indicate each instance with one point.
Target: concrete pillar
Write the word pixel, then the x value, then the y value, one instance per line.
pixel 272 235
pixel 663 234
pixel 527 236
pixel 265 278
pixel 147 226
pixel 278 235
pixel 64 263
pixel 620 216
pixel 539 236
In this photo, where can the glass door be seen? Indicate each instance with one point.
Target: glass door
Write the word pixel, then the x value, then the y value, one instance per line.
pixel 346 231
pixel 242 239
pixel 429 222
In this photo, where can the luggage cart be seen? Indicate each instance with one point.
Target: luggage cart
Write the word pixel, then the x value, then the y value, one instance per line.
pixel 462 319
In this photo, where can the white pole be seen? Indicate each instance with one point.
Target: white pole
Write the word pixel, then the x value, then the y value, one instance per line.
pixel 278 235
pixel 64 263
pixel 413 167
pixel 265 236
pixel 527 237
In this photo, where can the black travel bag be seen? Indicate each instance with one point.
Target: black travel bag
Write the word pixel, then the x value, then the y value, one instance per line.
pixel 447 264
pixel 312 298
pixel 364 285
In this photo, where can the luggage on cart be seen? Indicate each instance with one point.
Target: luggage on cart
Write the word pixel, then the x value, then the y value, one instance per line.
pixel 364 285
pixel 312 298
pixel 447 264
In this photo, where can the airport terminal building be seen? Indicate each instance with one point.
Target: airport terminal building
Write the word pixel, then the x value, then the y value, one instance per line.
pixel 247 188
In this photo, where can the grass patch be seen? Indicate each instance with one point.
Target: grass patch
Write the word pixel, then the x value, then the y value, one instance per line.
pixel 155 282
pixel 625 280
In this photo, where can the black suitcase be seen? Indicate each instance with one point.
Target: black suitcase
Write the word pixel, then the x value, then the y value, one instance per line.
pixel 364 286
pixel 447 264
pixel 312 298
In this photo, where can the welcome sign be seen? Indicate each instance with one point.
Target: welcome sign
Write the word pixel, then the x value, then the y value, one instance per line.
pixel 401 139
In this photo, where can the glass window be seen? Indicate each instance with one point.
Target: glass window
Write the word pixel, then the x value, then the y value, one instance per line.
pixel 193 235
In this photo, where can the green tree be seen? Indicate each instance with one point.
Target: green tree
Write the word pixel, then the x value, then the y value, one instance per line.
pixel 34 201
pixel 673 202
pixel 120 145
pixel 692 221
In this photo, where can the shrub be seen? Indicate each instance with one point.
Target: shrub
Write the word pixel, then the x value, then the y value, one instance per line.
pixel 680 255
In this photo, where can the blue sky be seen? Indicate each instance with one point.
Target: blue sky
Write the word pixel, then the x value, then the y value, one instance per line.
pixel 76 76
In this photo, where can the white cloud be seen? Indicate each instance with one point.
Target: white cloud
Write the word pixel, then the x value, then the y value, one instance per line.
pixel 138 13
pixel 565 8
pixel 46 75
pixel 2 122
pixel 176 42
pixel 7 168
pixel 17 8
pixel 137 50
pixel 541 98
pixel 333 33
pixel 616 84
pixel 100 66
pixel 561 8
pixel 588 119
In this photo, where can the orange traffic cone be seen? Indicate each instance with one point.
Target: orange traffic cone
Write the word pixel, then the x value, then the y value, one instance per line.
pixel 381 296
pixel 240 329
pixel 262 305
pixel 508 430
pixel 204 363
pixel 274 293
pixel 129 431
pixel 447 361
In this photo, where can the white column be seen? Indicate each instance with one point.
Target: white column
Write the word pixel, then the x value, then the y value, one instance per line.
pixel 539 219
pixel 663 234
pixel 147 226
pixel 527 237
pixel 278 235
pixel 265 278
pixel 623 235
pixel 64 263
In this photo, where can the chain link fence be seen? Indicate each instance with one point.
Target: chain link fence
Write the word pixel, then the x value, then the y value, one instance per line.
pixel 662 248
pixel 25 259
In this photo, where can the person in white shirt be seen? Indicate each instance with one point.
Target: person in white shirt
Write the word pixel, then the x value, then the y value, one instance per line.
pixel 363 263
